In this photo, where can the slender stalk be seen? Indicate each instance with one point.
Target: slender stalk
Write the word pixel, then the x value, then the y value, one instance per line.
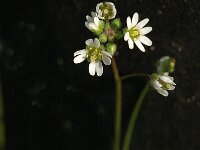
pixel 118 106
pixel 134 75
pixel 2 131
pixel 134 115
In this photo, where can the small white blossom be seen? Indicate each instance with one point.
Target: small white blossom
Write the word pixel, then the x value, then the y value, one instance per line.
pixel 162 83
pixel 106 10
pixel 94 24
pixel 136 32
pixel 94 53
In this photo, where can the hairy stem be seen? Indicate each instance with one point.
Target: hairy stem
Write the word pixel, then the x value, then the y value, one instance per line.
pixel 118 106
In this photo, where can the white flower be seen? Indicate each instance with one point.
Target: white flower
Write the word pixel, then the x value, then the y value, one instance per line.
pixel 94 53
pixel 136 33
pixel 94 24
pixel 162 83
pixel 106 10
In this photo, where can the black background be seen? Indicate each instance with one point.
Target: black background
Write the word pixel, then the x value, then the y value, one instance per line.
pixel 51 103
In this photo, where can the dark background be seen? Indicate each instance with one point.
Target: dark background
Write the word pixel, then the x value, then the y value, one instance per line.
pixel 51 103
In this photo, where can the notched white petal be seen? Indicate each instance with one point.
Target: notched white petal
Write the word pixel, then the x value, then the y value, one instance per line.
pixel 92 67
pixel 89 42
pixel 89 19
pixel 96 43
pixel 79 58
pixel 99 68
pixel 83 51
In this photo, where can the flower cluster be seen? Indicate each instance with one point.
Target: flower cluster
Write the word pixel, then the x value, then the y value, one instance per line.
pixel 108 30
pixel 161 81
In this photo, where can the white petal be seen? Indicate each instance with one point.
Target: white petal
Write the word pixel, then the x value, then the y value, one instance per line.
pixel 106 54
pixel 92 67
pixel 89 42
pixel 106 60
pixel 130 43
pixel 156 85
pixel 145 30
pixel 128 21
pixel 126 36
pixel 142 23
pixel 171 87
pixel 167 79
pixel 96 43
pixel 163 92
pixel 114 13
pixel 89 19
pixel 99 68
pixel 145 40
pixel 93 26
pixel 139 45
pixel 83 51
pixel 97 7
pixel 87 24
pixel 79 58
pixel 96 21
pixel 93 14
pixel 134 19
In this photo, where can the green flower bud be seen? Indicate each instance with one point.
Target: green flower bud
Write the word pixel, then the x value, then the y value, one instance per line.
pixel 103 38
pixel 119 35
pixel 166 64
pixel 111 48
pixel 116 23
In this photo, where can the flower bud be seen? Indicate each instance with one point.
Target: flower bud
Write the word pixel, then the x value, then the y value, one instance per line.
pixel 111 48
pixel 116 23
pixel 103 38
pixel 166 64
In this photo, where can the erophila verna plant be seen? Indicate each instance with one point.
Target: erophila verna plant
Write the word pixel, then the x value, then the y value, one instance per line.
pixel 108 31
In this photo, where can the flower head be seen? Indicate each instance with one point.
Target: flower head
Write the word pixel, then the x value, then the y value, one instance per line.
pixel 106 10
pixel 136 33
pixel 94 53
pixel 162 83
pixel 94 24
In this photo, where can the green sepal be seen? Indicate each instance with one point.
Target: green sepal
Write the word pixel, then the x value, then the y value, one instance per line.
pixel 116 23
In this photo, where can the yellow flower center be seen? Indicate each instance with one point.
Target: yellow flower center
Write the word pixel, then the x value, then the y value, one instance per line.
pixel 165 85
pixel 134 33
pixel 94 54
pixel 107 10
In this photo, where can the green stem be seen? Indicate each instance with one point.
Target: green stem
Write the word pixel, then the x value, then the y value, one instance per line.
pixel 134 115
pixel 134 75
pixel 2 131
pixel 118 107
